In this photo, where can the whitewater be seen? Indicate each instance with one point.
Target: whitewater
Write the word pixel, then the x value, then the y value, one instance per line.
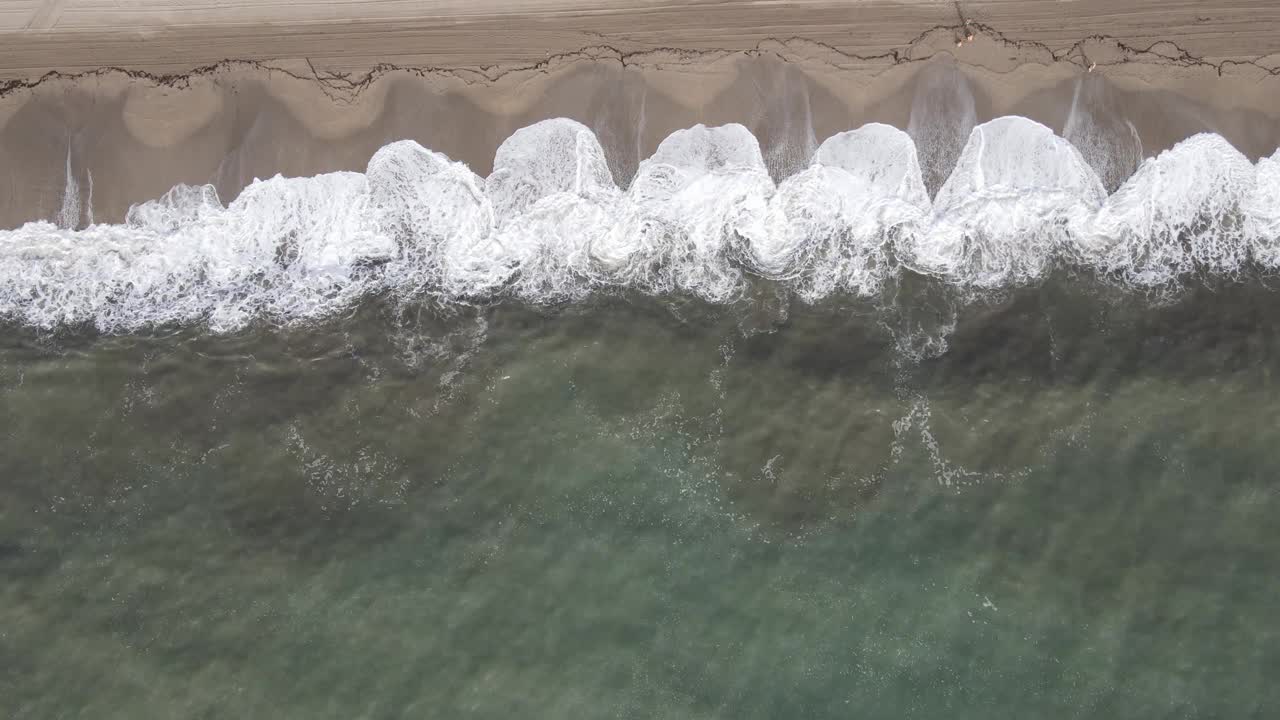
pixel 701 217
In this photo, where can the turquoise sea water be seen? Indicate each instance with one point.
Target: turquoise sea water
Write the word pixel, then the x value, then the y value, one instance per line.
pixel 1058 502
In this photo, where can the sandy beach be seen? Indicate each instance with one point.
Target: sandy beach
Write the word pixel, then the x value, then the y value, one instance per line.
pixel 176 35
pixel 680 359
pixel 127 99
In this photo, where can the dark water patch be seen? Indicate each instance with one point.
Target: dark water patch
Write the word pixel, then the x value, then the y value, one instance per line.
pixel 638 506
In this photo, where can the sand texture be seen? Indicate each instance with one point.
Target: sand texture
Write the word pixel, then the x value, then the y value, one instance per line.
pixel 129 98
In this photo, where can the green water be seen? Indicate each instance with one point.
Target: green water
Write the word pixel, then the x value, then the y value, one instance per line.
pixel 637 508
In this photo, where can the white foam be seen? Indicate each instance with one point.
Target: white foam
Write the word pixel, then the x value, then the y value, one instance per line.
pixel 438 214
pixel 554 195
pixel 544 159
pixel 550 225
pixel 313 238
pixel 831 227
pixel 1181 211
pixel 287 248
pixel 1009 208
pixel 181 206
pixel 1262 213
pixel 687 213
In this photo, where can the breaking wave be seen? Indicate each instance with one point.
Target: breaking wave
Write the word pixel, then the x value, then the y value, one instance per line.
pixel 701 216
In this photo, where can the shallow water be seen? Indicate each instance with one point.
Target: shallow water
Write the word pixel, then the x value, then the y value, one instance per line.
pixel 1058 502
pixel 702 217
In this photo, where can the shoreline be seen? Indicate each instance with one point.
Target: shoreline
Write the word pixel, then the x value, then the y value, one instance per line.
pixel 134 130
pixel 169 36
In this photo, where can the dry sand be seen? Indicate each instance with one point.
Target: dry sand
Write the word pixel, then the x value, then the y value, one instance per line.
pixel 137 95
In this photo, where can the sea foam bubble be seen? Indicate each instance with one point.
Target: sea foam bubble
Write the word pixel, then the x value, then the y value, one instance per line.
pixel 701 217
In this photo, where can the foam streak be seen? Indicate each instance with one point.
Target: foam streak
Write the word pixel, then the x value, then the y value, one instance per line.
pixel 702 214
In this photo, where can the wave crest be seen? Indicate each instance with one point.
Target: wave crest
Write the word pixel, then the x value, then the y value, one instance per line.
pixel 550 224
pixel 831 228
pixel 1180 212
pixel 1010 207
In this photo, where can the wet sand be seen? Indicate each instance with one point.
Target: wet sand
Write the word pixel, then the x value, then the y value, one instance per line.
pixel 130 102
pixel 173 35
